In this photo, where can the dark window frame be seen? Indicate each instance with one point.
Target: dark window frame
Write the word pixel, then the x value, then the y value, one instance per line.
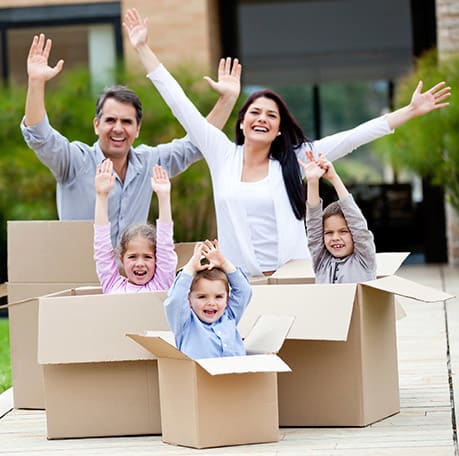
pixel 45 16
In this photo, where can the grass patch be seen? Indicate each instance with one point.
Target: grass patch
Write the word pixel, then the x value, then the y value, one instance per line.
pixel 5 362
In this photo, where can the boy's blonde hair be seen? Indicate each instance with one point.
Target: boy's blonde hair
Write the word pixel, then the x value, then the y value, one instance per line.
pixel 210 274
pixel 145 230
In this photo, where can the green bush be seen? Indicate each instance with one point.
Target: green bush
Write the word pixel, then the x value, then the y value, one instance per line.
pixel 429 145
pixel 5 366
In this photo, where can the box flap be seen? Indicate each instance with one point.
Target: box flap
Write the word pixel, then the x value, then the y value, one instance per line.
pixel 322 312
pixel 50 257
pixel 184 251
pixel 243 364
pixel 387 263
pixel 300 271
pixel 268 334
pixel 92 328
pixel 408 289
pixel 294 269
pixel 159 343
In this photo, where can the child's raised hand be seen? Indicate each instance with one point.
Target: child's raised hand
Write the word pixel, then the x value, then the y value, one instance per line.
pixel 160 181
pixel 105 179
pixel 194 263
pixel 212 252
pixel 136 28
pixel 327 166
pixel 311 167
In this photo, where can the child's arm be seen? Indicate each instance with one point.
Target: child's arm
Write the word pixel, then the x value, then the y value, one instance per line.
pixel 104 183
pixel 229 75
pixel 107 270
pixel 166 258
pixel 162 187
pixel 333 177
pixel 313 172
pixel 364 246
pixel 314 222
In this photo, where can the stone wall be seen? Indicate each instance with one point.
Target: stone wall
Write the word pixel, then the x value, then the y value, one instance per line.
pixel 448 44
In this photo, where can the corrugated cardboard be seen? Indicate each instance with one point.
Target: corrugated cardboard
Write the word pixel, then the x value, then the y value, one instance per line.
pixel 220 401
pixel 97 383
pixel 27 375
pixel 45 257
pixel 342 347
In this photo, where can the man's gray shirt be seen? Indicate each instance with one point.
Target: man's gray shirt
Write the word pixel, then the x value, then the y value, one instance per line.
pixel 74 167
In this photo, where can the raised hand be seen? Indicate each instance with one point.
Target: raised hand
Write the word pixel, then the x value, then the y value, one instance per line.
pixel 136 28
pixel 229 78
pixel 105 179
pixel 312 169
pixel 422 103
pixel 37 60
pixel 327 167
pixel 215 257
pixel 160 181
pixel 194 263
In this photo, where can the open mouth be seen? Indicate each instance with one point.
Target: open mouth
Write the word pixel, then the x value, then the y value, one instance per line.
pixel 260 129
pixel 210 313
pixel 140 274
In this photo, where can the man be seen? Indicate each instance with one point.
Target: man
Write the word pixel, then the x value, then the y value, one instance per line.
pixel 117 125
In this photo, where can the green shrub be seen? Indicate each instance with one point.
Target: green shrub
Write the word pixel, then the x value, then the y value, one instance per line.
pixel 429 145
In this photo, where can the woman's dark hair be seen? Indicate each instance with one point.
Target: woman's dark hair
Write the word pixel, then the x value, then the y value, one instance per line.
pixel 282 148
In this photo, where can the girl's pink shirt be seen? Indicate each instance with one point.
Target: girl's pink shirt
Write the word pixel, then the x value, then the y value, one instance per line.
pixel 107 270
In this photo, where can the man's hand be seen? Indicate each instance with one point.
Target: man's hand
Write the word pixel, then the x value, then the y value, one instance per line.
pixel 37 60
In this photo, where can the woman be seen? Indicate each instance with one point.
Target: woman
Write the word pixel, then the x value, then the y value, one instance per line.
pixel 257 182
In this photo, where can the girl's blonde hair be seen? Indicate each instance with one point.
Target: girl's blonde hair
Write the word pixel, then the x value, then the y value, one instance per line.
pixel 144 230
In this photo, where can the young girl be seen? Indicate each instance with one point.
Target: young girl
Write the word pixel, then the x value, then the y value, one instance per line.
pixel 148 257
pixel 205 304
pixel 341 245
pixel 257 182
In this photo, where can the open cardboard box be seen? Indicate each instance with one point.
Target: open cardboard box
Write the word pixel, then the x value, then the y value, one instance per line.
pixel 97 383
pixel 46 257
pixel 342 347
pixel 220 401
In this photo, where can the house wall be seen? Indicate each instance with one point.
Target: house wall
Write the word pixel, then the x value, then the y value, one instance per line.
pixel 448 44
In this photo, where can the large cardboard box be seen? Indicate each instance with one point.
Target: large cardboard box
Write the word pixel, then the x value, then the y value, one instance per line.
pixel 342 347
pixel 97 382
pixel 45 257
pixel 220 401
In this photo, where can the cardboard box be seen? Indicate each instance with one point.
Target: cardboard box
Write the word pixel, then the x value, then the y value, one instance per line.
pixel 45 257
pixel 220 401
pixel 97 382
pixel 342 347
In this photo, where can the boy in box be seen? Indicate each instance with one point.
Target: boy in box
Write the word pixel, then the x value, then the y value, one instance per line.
pixel 342 248
pixel 205 304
